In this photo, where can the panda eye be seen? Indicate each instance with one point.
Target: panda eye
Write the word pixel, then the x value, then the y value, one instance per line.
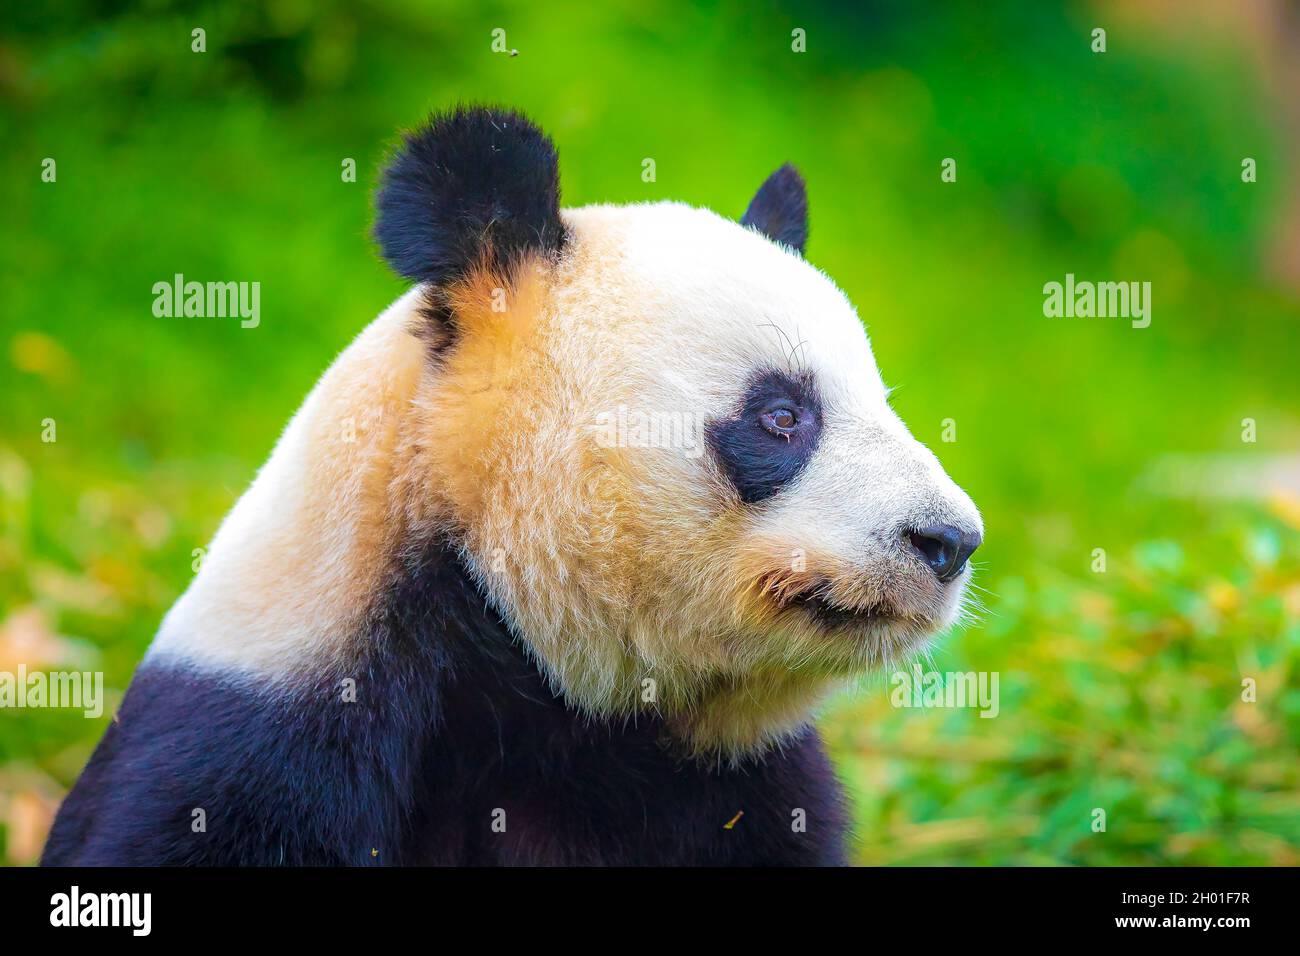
pixel 780 421
pixel 769 439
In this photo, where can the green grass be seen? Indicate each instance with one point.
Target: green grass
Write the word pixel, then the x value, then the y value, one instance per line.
pixel 1119 690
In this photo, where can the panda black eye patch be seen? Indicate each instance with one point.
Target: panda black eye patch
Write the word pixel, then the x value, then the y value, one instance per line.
pixel 768 441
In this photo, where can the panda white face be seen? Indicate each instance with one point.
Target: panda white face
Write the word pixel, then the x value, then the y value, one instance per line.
pixel 845 540
pixel 676 471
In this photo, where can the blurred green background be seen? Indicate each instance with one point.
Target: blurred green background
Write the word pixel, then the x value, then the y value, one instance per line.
pixel 1120 690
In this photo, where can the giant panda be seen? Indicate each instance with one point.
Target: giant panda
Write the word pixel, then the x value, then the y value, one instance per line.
pixel 459 619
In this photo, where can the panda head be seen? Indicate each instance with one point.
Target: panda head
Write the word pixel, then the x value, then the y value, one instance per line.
pixel 660 440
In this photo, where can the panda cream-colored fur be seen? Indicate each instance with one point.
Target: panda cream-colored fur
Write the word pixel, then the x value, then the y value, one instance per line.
pixel 704 597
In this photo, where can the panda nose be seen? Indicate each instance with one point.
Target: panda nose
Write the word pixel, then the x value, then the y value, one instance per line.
pixel 944 548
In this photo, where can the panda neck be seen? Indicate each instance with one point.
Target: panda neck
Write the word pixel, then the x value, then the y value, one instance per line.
pixel 489 677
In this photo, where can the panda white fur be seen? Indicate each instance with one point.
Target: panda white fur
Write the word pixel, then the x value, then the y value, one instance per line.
pixel 453 622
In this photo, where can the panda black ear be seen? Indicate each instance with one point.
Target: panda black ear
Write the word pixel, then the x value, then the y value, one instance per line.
pixel 779 210
pixel 472 187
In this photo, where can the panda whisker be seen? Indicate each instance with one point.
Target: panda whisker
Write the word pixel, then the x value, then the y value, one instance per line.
pixel 793 365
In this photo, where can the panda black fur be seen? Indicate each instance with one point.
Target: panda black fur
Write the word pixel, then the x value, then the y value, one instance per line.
pixel 432 644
